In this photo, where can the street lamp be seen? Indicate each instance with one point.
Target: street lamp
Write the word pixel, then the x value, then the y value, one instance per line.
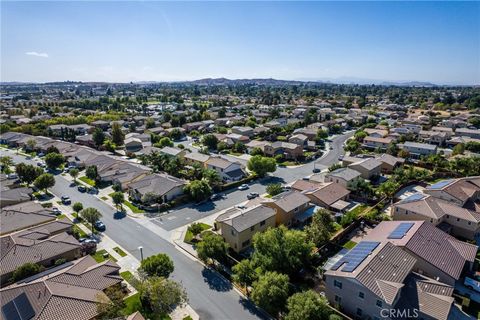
pixel 141 252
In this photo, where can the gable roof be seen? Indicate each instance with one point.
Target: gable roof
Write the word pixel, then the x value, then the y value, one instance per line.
pixel 329 193
pixel 242 220
pixel 346 174
pixel 288 201
pixel 70 291
pixel 23 215
pixel 157 183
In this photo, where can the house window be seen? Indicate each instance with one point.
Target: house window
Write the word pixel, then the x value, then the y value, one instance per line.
pixel 361 295
pixel 448 216
pixel 379 303
pixel 469 223
pixel 232 232
pixel 458 219
pixel 262 223
pixel 296 209
pixel 337 284
pixel 359 312
pixel 245 243
pixel 252 228
pixel 338 299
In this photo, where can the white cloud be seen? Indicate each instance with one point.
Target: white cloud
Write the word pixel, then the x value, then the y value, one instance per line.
pixel 37 54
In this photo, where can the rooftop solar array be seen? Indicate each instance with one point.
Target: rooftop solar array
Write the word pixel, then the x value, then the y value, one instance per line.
pixel 440 184
pixel 414 197
pixel 401 230
pixel 18 309
pixel 355 256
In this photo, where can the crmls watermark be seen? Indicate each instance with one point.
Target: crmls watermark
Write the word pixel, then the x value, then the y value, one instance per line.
pixel 399 313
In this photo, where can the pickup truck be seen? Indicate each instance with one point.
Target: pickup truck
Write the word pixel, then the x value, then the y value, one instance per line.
pixel 473 283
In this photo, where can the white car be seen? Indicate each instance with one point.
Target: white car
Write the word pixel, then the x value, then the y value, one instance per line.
pixel 243 187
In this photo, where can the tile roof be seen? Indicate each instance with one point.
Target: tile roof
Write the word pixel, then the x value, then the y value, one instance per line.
pixel 157 183
pixel 23 215
pixel 344 173
pixel 288 201
pixel 329 193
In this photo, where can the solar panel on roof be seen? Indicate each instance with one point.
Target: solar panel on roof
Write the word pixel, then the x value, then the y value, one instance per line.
pixel 401 230
pixel 440 184
pixel 414 197
pixel 18 309
pixel 355 256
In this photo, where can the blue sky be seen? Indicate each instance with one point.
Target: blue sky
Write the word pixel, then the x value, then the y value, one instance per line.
pixel 164 41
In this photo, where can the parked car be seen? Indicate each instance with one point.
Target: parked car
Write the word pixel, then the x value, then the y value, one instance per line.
pixel 243 187
pixel 12 176
pixel 217 196
pixel 66 200
pixel 307 178
pixel 252 195
pixel 316 170
pixel 472 283
pixel 41 154
pixel 93 190
pixel 82 188
pixel 99 225
pixel 41 164
pixel 287 188
pixel 241 206
pixel 56 211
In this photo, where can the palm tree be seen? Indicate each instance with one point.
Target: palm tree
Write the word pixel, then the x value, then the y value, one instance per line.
pixel 91 215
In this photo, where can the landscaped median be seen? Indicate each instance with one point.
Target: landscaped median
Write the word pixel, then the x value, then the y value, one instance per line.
pixel 193 230
pixel 127 203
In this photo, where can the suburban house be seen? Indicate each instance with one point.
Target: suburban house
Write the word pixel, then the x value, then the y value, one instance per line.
pixel 389 163
pixel 70 291
pixel 299 139
pixel 162 185
pixel 133 144
pixel 375 276
pixel 285 149
pixel 447 131
pixel 13 196
pixel 433 137
pixel 243 131
pixel 256 144
pixel 376 142
pixel 471 133
pixel 342 176
pixel 238 226
pixel 229 171
pixel 376 133
pixel 464 192
pixel 173 152
pixel 446 215
pixel 196 157
pixel 43 245
pixel 331 196
pixel 368 168
pixel 24 215
pixel 289 206
pixel 438 255
pixel 417 149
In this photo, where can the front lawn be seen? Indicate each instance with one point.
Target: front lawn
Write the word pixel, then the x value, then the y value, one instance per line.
pixel 132 207
pixel 129 277
pixel 120 252
pixel 189 235
pixel 98 256
pixel 79 232
pixel 104 198
pixel 87 180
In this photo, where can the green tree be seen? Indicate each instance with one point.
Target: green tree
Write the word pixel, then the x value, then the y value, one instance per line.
pixel 98 137
pixel 150 123
pixel 256 152
pixel 458 149
pixel 77 207
pixel 274 188
pixel 161 296
pixel 361 187
pixel 212 177
pixel 164 142
pixel 91 172
pixel 27 173
pixel 26 270
pixel 282 250
pixel 6 162
pixel 307 305
pixel 270 292
pixel 159 265
pixel 74 172
pixel 44 181
pixel 112 307
pixel 91 215
pixel 335 166
pixel 117 134
pixel 261 165
pixel 31 143
pixel 321 227
pixel 244 273
pixel 195 228
pixel 210 141
pixel 109 145
pixel 54 160
pixel 212 247
pixel 322 134
pixel 198 190
pixel 360 135
pixel 118 198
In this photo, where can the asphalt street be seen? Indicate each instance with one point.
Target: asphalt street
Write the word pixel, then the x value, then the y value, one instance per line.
pixel 209 294
pixel 188 214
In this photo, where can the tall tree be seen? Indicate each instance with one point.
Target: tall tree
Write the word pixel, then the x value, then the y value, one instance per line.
pixel 44 181
pixel 321 227
pixel 270 292
pixel 212 247
pixel 91 172
pixel 261 165
pixel 6 162
pixel 27 173
pixel 198 189
pixel 118 199
pixel 117 134
pixel 98 137
pixel 54 160
pixel 91 215
pixel 244 273
pixel 159 265
pixel 74 173
pixel 161 296
pixel 210 141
